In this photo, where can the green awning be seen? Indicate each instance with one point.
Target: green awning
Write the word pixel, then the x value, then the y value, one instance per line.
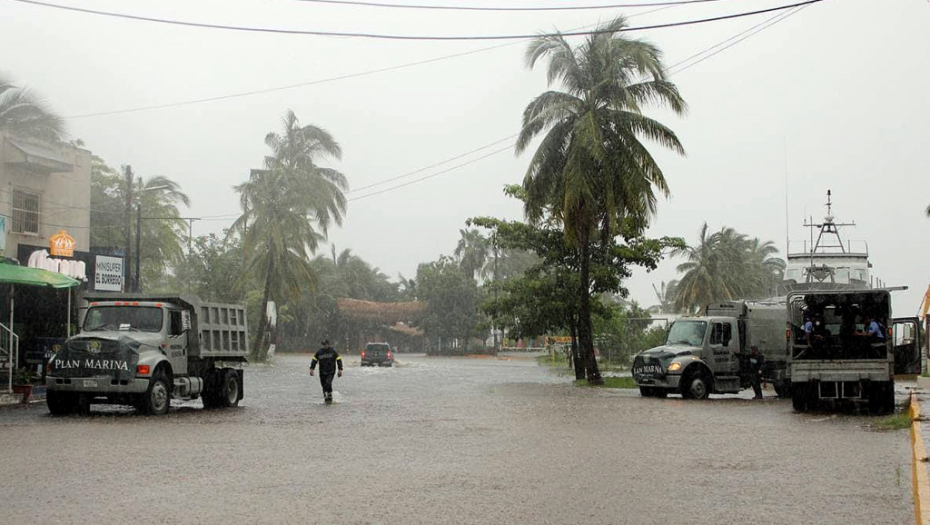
pixel 11 273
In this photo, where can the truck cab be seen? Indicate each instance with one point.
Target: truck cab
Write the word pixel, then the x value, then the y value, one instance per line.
pixel 701 355
pixel 711 354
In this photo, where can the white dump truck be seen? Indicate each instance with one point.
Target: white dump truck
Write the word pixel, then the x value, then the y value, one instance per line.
pixel 145 349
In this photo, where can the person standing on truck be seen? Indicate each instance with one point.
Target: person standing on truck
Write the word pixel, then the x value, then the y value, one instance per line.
pixel 873 329
pixel 756 359
pixel 329 359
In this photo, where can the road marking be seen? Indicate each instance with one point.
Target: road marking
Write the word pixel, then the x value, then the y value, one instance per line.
pixel 919 475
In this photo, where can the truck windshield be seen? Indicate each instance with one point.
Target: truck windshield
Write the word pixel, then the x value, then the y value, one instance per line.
pixel 136 318
pixel 689 333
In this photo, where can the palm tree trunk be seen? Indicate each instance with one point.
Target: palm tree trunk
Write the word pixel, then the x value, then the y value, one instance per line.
pixel 260 351
pixel 585 330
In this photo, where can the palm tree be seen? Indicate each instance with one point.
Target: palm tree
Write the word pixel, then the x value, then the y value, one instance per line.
pixel 724 266
pixel 766 270
pixel 591 171
pixel 22 113
pixel 472 251
pixel 287 209
pixel 711 272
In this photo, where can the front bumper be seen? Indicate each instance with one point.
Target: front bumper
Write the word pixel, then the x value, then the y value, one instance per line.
pixel 97 385
pixel 668 381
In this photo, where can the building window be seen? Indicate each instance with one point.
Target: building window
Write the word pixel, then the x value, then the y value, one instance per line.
pixel 25 212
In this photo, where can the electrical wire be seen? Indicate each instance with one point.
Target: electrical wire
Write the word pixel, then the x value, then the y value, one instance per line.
pixel 319 81
pixel 353 3
pixel 744 34
pixel 382 36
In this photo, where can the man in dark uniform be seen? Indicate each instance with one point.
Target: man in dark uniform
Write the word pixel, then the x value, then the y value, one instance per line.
pixel 329 359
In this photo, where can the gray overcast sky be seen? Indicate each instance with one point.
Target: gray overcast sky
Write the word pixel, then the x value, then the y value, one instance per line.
pixel 833 97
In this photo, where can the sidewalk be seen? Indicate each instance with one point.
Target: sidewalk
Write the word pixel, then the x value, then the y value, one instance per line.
pixel 920 441
pixel 37 396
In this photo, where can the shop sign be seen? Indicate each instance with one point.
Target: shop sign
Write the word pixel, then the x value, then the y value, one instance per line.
pixel 61 245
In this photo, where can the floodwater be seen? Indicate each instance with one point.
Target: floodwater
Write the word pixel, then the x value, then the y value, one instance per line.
pixel 452 440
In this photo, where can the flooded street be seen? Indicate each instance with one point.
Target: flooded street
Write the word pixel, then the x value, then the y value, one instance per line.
pixel 452 440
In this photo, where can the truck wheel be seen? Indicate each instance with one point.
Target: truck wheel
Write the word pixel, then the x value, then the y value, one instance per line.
pixel 783 389
pixel 60 403
pixel 646 391
pixel 696 387
pixel 157 398
pixel 881 398
pixel 229 389
pixel 799 396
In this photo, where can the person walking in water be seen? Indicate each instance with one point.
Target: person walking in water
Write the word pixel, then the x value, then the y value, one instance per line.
pixel 329 359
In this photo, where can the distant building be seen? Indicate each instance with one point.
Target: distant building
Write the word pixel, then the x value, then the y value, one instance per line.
pixel 44 189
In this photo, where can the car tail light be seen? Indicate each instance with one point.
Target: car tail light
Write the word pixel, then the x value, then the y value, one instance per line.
pixel 389 355
pixel 363 353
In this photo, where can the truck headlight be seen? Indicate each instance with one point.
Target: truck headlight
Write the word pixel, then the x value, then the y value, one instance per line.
pixel 675 366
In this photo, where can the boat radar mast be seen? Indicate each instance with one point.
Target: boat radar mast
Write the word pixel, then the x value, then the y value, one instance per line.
pixel 827 261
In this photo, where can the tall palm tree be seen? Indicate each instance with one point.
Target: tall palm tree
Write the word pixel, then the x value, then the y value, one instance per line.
pixel 592 171
pixel 287 209
pixel 472 251
pixel 711 272
pixel 724 266
pixel 22 113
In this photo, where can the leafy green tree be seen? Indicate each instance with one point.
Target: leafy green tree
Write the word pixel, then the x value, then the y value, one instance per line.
pixel 451 299
pixel 24 114
pixel 544 299
pixel 214 269
pixel 591 171
pixel 287 209
pixel 164 234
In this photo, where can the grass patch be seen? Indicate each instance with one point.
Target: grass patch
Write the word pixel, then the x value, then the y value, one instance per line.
pixel 610 382
pixel 546 360
pixel 894 422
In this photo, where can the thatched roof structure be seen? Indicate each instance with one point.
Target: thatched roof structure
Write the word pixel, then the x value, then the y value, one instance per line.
pixel 383 313
pixel 406 330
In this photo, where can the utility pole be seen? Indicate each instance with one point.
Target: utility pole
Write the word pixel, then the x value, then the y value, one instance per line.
pixel 136 286
pixel 127 170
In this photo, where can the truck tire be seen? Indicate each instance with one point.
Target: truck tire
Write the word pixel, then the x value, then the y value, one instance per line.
pixel 60 403
pixel 157 397
pixel 881 398
pixel 228 395
pixel 696 387
pixel 782 389
pixel 799 396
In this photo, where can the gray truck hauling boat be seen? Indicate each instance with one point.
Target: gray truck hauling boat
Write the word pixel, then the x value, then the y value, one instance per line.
pixel 710 354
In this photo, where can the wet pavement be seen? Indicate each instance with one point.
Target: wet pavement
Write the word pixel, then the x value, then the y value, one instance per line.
pixel 452 440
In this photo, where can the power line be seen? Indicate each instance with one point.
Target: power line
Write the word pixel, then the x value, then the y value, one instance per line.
pixel 479 8
pixel 319 81
pixel 438 173
pixel 758 28
pixel 409 37
pixel 744 34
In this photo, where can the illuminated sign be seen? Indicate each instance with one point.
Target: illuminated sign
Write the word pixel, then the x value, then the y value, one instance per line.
pixel 61 244
pixel 71 268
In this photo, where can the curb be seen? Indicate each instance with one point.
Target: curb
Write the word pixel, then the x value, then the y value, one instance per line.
pixel 919 474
